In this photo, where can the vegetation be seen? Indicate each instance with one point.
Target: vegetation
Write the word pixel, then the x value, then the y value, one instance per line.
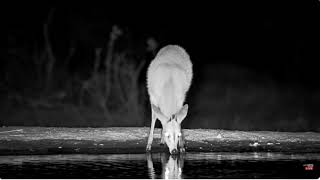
pixel 38 87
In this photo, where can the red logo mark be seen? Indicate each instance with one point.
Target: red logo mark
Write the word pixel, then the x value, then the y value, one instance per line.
pixel 308 167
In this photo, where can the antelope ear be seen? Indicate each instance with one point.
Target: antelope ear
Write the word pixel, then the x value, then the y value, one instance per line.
pixel 182 113
pixel 158 113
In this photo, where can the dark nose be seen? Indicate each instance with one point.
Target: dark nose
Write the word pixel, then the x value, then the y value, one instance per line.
pixel 174 151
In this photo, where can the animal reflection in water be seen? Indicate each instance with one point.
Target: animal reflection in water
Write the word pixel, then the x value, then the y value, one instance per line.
pixel 172 166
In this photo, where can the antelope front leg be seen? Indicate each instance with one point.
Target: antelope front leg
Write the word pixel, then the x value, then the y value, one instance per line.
pixel 162 137
pixel 150 138
pixel 181 143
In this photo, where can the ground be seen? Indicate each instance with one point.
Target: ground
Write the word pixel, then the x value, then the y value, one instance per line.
pixel 51 140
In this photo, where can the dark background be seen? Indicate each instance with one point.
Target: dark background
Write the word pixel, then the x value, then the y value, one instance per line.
pixel 255 62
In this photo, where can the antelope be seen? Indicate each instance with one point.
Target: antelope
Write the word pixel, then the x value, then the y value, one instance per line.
pixel 169 78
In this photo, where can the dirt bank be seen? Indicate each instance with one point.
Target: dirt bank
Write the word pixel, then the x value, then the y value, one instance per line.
pixel 50 140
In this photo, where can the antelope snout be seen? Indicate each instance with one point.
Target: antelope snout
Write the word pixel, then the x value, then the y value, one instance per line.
pixel 174 151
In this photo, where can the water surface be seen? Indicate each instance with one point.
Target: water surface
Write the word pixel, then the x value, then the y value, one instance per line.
pixel 162 165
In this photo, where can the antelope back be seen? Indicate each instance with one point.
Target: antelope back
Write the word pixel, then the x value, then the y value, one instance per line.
pixel 169 78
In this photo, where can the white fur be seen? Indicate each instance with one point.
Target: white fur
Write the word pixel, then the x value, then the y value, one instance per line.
pixel 169 78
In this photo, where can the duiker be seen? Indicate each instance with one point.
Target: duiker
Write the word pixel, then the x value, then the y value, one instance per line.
pixel 169 78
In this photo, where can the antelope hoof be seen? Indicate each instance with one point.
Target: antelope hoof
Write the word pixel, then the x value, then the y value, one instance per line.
pixel 148 149
pixel 161 143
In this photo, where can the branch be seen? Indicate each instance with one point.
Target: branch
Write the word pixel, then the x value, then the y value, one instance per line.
pixel 49 51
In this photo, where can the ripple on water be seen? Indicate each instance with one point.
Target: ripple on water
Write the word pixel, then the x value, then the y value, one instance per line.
pixel 161 165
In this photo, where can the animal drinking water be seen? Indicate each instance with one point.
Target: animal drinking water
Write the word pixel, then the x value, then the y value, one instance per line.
pixel 169 78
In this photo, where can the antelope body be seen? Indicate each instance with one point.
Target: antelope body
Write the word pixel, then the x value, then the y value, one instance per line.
pixel 169 78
